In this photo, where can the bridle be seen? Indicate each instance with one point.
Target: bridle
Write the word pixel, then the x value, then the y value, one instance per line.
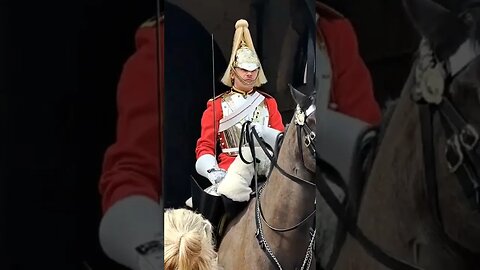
pixel 300 122
pixel 462 150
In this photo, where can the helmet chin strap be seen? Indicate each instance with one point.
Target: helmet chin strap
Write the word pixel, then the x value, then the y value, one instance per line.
pixel 242 80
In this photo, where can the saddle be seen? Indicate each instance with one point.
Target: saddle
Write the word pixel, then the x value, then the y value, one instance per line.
pixel 213 207
pixel 209 206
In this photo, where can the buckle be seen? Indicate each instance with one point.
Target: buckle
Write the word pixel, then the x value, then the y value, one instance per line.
pixel 469 137
pixel 453 153
pixel 309 138
pixel 260 241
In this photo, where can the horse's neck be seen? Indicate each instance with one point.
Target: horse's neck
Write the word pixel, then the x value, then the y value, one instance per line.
pixel 393 198
pixel 395 213
pixel 285 202
pixel 297 198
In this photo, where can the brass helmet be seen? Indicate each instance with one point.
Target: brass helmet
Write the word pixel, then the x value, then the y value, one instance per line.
pixel 243 55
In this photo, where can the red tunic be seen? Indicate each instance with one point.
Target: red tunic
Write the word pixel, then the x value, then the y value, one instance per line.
pixel 206 142
pixel 352 87
pixel 131 165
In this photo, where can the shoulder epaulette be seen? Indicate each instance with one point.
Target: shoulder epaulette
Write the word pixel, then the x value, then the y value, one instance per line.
pixel 151 22
pixel 218 96
pixel 265 94
pixel 328 12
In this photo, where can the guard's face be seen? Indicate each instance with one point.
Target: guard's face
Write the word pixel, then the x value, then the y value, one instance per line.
pixel 245 79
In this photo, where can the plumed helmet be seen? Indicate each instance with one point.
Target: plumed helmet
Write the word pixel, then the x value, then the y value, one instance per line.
pixel 243 54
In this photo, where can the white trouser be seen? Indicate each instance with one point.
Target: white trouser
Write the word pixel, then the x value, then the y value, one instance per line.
pixel 236 184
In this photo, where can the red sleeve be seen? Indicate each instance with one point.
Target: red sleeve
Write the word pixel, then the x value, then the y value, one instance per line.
pixel 275 120
pixel 352 84
pixel 131 165
pixel 206 142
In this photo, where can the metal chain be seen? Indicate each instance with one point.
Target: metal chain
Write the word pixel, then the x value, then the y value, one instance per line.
pixel 263 242
pixel 309 255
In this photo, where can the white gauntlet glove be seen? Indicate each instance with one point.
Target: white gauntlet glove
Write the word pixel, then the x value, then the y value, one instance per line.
pixel 216 175
pixel 207 167
pixel 269 135
pixel 131 233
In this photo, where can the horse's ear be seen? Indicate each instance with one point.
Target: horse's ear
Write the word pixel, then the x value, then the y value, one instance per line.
pixel 442 28
pixel 300 98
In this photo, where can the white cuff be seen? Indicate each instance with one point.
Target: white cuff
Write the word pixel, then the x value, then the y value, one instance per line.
pixel 205 163
pixel 270 136
pixel 129 223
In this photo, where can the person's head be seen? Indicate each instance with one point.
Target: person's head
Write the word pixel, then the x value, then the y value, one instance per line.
pixel 244 70
pixel 188 241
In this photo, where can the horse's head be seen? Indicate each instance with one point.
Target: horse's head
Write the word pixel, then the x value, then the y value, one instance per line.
pixel 448 77
pixel 454 40
pixel 304 121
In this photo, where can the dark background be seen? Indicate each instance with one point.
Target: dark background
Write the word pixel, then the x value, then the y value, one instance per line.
pixel 189 85
pixel 60 63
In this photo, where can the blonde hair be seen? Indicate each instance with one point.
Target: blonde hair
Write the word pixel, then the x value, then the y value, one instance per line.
pixel 242 34
pixel 189 243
